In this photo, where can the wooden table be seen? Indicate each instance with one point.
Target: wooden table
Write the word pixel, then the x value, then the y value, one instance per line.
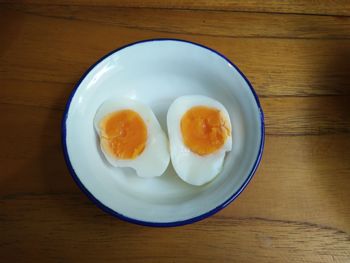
pixel 297 56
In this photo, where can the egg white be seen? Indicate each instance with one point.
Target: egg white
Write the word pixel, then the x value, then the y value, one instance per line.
pixel 155 158
pixel 191 167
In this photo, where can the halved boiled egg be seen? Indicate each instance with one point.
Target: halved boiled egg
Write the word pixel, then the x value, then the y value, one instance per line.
pixel 200 135
pixel 131 136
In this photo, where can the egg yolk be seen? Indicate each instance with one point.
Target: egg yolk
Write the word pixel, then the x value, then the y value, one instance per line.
pixel 204 130
pixel 124 134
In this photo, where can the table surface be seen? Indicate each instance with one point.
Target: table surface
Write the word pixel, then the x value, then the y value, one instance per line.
pixel 297 56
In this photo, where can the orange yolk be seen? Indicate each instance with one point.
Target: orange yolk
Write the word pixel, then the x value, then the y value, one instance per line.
pixel 124 134
pixel 204 130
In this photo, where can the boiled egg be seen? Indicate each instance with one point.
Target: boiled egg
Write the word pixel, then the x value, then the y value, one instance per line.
pixel 199 131
pixel 131 136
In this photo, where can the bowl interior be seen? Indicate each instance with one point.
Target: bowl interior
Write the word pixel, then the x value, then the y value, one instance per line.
pixel 156 73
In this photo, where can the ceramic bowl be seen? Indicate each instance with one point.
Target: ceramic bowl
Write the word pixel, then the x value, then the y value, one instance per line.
pixel 156 72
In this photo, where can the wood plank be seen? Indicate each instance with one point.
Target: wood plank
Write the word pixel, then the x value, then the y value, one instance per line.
pixel 308 174
pixel 221 24
pixel 324 7
pixel 316 168
pixel 283 116
pixel 296 209
pixel 308 115
pixel 46 237
pixel 58 50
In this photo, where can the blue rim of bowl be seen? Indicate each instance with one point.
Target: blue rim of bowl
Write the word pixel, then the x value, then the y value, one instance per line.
pixel 160 224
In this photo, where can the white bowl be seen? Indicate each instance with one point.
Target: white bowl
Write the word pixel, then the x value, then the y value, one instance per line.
pixel 156 72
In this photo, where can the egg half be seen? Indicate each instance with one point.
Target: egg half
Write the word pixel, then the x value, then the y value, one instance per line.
pixel 131 136
pixel 199 130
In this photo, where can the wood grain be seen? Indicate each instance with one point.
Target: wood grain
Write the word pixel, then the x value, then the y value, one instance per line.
pixel 95 234
pixel 276 67
pixel 312 188
pixel 212 23
pixel 283 116
pixel 324 7
pixel 297 207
